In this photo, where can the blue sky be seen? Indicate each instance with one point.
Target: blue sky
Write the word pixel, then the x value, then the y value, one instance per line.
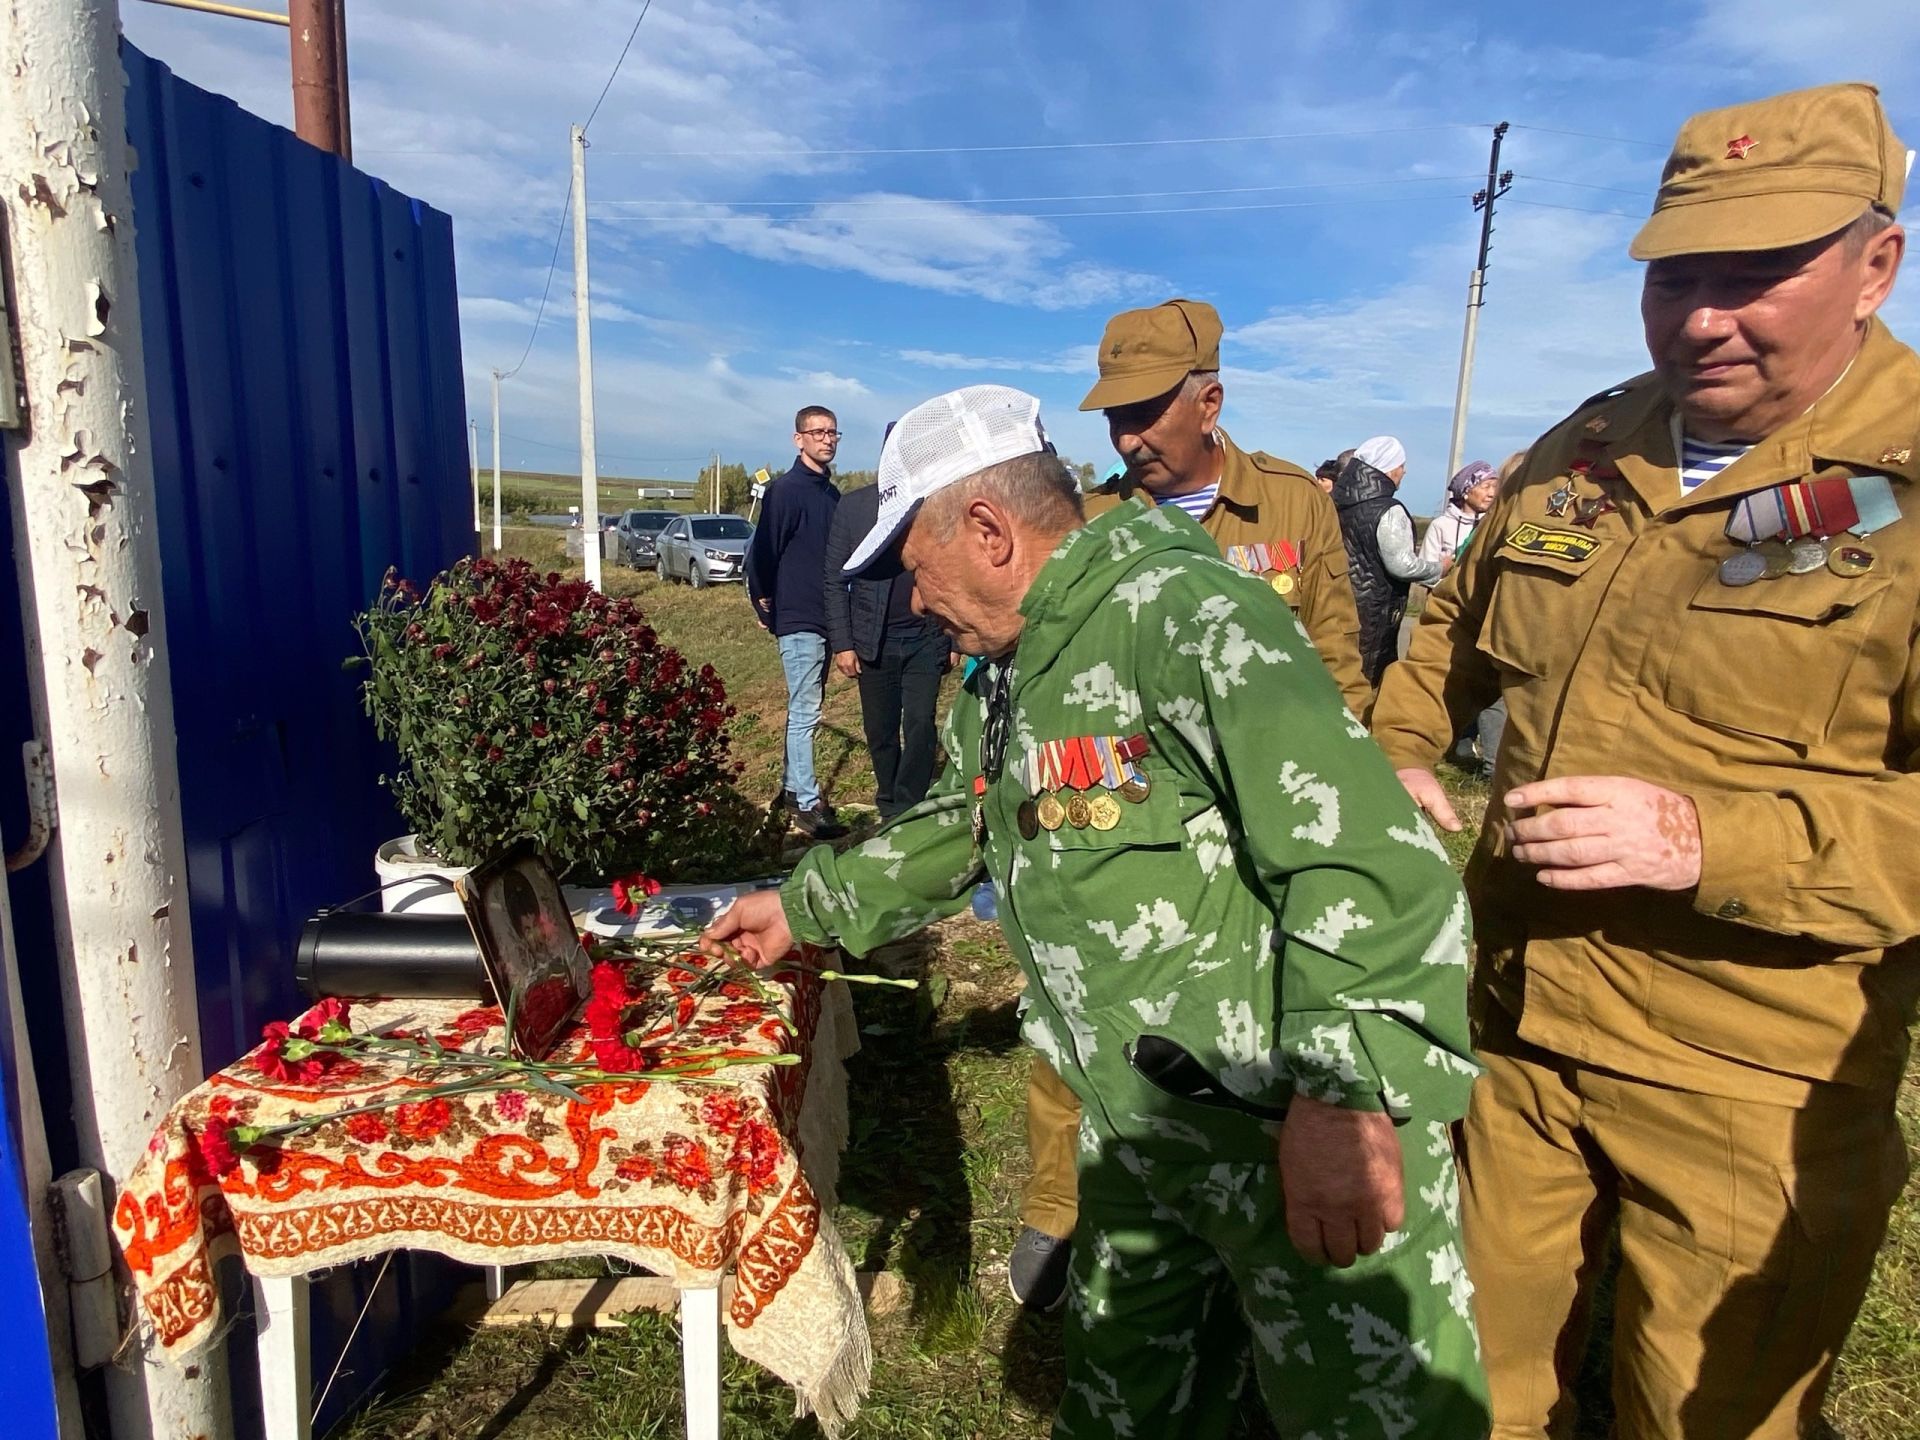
pixel 735 279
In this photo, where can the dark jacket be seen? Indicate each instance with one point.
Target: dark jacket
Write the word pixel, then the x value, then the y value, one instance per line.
pixel 786 552
pixel 858 611
pixel 1362 495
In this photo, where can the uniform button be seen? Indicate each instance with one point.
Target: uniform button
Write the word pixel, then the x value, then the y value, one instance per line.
pixel 1732 910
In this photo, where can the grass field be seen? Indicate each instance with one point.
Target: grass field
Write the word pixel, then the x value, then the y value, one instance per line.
pixel 929 1190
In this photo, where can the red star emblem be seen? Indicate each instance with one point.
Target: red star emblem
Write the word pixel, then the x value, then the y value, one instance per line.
pixel 1737 149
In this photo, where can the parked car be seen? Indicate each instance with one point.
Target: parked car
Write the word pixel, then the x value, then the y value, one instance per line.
pixel 637 530
pixel 702 549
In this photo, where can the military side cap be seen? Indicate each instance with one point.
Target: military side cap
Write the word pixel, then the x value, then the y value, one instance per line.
pixel 1145 353
pixel 1773 173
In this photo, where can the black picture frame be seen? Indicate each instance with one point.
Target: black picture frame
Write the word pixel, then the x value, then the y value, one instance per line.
pixel 528 945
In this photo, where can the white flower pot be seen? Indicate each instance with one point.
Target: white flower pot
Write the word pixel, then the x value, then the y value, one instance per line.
pixel 427 887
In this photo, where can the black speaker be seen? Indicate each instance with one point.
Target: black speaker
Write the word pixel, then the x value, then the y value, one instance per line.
pixel 358 953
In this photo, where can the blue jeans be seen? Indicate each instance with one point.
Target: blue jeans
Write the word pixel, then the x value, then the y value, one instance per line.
pixel 804 659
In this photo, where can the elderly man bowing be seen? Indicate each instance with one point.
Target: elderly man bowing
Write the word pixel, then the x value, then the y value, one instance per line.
pixel 1243 946
pixel 1696 893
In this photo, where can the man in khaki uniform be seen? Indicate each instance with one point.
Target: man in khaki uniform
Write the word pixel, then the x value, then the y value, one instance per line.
pixel 1160 389
pixel 1696 892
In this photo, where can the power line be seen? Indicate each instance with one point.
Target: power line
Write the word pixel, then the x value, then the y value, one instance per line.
pixel 1577 209
pixel 616 67
pixel 1583 185
pixel 907 201
pixel 559 231
pixel 574 449
pixel 1589 135
pixel 1052 145
pixel 1096 214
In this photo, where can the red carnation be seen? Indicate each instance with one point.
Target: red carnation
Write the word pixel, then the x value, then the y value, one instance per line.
pixel 630 890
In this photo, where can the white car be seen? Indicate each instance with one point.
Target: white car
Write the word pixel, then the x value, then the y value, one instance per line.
pixel 702 549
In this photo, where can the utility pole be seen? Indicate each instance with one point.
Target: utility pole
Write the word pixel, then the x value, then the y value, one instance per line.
pixel 473 462
pixel 583 343
pixel 496 462
pixel 318 32
pixel 94 612
pixel 1498 183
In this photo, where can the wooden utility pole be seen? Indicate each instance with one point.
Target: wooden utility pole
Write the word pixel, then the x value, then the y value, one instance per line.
pixel 318 32
pixel 583 345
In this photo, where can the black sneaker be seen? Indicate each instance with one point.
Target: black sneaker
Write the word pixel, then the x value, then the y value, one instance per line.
pixel 1037 1269
pixel 818 823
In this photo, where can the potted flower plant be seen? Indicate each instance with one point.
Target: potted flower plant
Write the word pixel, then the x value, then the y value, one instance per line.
pixel 523 704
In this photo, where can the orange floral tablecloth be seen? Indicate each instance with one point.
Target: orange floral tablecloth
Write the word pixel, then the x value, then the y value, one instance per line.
pixel 688 1179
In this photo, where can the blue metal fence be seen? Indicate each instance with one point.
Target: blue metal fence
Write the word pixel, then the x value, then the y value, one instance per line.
pixel 309 430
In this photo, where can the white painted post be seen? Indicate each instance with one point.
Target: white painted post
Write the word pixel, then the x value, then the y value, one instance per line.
pixel 583 345
pixel 496 462
pixel 282 1307
pixel 88 558
pixel 473 461
pixel 700 1360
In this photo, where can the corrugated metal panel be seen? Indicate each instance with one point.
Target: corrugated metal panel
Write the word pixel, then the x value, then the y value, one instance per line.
pixel 309 430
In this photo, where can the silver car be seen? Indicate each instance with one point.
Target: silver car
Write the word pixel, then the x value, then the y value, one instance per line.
pixel 702 549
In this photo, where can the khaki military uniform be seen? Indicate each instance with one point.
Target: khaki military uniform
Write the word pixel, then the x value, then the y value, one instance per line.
pixel 1262 499
pixel 1716 1069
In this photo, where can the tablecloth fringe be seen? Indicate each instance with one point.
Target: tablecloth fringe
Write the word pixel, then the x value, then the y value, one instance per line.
pixel 835 1399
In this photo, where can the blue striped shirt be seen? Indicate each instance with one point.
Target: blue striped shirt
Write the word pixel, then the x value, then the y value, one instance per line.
pixel 1196 503
pixel 1701 460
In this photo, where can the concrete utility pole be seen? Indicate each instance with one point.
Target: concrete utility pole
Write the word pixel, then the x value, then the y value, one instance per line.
pixel 496 462
pixel 1498 183
pixel 473 462
pixel 583 342
pixel 93 609
pixel 318 33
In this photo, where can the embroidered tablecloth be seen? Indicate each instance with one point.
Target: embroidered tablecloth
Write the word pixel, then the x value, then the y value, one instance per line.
pixel 688 1179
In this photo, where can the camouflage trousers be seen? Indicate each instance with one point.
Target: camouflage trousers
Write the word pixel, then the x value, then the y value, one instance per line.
pixel 1184 1284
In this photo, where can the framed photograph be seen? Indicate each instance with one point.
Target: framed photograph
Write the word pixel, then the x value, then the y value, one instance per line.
pixel 532 954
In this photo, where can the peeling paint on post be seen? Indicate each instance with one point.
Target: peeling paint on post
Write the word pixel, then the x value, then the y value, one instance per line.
pixel 89 567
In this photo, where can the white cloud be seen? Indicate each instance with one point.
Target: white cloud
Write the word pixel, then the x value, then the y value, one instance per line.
pixel 1077 361
pixel 926 244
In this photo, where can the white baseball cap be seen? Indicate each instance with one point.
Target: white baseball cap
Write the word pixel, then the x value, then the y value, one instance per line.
pixel 941 442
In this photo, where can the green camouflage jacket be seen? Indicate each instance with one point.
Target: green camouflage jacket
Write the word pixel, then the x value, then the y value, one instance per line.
pixel 1275 903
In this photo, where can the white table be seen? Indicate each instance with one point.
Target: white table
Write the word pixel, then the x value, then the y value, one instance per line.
pixel 284 1312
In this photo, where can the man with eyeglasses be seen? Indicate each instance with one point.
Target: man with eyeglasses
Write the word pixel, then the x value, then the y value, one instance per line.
pixel 1245 950
pixel 783 568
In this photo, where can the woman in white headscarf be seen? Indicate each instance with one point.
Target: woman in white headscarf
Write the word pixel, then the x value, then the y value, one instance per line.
pixel 1382 561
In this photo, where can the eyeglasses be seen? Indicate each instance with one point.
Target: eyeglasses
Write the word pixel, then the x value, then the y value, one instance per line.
pixel 822 434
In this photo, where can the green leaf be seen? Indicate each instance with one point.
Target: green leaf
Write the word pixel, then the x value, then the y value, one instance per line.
pixel 580 807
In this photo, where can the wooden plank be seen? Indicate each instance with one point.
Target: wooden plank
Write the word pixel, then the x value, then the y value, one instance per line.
pixel 599 1304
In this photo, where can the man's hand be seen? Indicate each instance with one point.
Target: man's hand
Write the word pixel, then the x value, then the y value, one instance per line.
pixel 1340 1174
pixel 755 925
pixel 1602 832
pixel 847 663
pixel 1428 795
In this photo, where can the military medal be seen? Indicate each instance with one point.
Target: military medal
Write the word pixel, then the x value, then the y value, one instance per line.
pixel 1079 813
pixel 1135 787
pixel 1850 560
pixel 979 810
pixel 1743 568
pixel 1027 817
pixel 1282 583
pixel 1779 559
pixel 1560 501
pixel 1103 811
pixel 1806 555
pixel 1049 811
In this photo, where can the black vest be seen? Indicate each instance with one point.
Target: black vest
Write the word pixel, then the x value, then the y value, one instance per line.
pixel 1362 495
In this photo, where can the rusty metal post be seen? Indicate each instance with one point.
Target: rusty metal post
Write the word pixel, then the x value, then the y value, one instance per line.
pixel 85 517
pixel 341 87
pixel 315 31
